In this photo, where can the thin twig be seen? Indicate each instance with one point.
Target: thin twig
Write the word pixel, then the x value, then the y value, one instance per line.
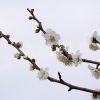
pixel 73 86
pixel 91 61
pixel 34 18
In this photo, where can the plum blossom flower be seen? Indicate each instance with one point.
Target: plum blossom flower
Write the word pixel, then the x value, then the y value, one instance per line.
pixel 94 40
pixel 43 74
pixel 62 58
pixel 95 72
pixel 51 37
pixel 77 58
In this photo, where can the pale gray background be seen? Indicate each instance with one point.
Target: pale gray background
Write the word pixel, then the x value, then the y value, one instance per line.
pixel 74 20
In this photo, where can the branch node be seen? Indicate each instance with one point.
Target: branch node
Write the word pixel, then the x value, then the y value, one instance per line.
pixel 97 66
pixel 60 78
pixel 69 89
pixel 32 10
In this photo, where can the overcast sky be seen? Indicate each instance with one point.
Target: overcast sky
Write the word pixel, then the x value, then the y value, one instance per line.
pixel 74 20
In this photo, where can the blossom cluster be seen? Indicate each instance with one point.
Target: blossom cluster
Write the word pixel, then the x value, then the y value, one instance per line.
pixel 52 39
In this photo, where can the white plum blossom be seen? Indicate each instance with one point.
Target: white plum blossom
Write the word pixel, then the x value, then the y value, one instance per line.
pixel 62 58
pixel 43 74
pixel 93 44
pixel 17 55
pixel 95 72
pixel 51 37
pixel 77 58
pixel 71 59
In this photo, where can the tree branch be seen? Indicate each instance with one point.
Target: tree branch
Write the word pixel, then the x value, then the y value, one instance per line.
pixel 41 28
pixel 18 49
pixel 60 80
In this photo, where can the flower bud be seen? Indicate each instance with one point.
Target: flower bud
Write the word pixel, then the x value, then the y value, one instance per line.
pixel 30 17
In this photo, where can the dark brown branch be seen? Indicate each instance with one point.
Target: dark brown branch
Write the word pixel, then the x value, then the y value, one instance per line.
pixel 97 41
pixel 91 61
pixel 60 78
pixel 97 66
pixel 94 40
pixel 73 86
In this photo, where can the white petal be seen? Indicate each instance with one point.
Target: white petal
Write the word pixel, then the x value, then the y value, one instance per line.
pixel 93 71
pixel 48 30
pixel 43 74
pixel 57 36
pixel 90 67
pixel 96 75
pixel 78 53
pixel 95 34
pixel 66 48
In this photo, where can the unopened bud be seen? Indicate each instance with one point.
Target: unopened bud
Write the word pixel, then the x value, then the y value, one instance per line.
pixel 37 30
pixel 19 44
pixel 33 60
pixel 30 17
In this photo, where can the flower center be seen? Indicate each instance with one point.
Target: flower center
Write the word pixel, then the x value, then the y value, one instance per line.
pixel 52 38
